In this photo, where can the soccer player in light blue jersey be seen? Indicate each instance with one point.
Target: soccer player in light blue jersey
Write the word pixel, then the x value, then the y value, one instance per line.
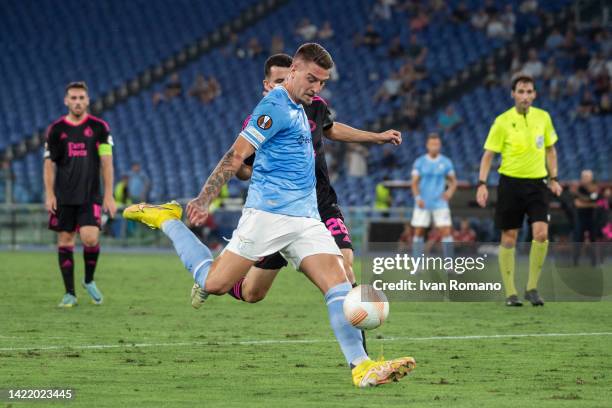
pixel 433 185
pixel 280 213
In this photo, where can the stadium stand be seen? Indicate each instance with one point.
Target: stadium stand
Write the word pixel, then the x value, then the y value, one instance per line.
pixel 179 141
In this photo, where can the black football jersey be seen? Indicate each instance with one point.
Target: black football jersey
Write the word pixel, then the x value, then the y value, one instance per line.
pixel 74 150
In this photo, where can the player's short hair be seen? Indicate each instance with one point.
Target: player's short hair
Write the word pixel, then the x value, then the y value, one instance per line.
pixel 522 77
pixel 76 85
pixel 433 135
pixel 277 60
pixel 313 52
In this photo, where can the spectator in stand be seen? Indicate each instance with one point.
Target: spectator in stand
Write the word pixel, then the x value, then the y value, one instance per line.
pixel 586 107
pixel 533 67
pixel 495 28
pixel 577 81
pixel 405 239
pixel 529 6
pixel 172 89
pixel 586 220
pixel 411 117
pixel 556 83
pixel 597 65
pixel 491 78
pixel 326 32
pixel 461 14
pixel 417 51
pixel 396 49
pixel 490 8
pixel 277 45
pixel 508 18
pixel 357 162
pixel 581 60
pixel 517 62
pixel 554 40
pixel 138 184
pixel 480 19
pixel 570 44
pixel 371 38
pixel 449 119
pixel 199 89
pixel 382 9
pixel 389 89
pixel 605 105
pixel 306 30
pixel 420 21
pixel 465 233
pixel 214 88
pixel 388 160
pixel 254 48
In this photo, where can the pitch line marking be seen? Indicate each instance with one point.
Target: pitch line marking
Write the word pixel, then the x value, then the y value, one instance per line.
pixel 294 341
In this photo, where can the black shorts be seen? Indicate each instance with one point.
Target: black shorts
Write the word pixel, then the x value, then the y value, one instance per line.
pixel 519 197
pixel 70 218
pixel 334 221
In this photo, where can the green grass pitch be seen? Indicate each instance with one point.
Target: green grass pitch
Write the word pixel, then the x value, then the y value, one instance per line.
pixel 146 346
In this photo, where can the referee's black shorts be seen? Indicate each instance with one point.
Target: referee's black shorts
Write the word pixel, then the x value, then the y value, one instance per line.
pixel 517 197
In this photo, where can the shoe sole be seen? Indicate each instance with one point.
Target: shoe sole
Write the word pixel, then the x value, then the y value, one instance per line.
pixel 196 301
pixel 395 371
pixel 402 367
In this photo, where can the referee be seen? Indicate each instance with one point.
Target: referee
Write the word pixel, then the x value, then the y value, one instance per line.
pixel 525 138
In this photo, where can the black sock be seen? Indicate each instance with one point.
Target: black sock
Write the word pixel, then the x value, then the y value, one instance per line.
pixel 90 255
pixel 65 255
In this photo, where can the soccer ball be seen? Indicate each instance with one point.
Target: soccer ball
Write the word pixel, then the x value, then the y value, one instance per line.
pixel 365 307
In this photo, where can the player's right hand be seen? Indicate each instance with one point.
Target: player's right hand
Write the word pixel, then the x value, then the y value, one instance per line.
pixel 390 136
pixel 421 203
pixel 482 194
pixel 51 203
pixel 197 212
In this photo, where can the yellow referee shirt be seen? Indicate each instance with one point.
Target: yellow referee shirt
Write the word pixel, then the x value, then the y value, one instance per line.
pixel 521 140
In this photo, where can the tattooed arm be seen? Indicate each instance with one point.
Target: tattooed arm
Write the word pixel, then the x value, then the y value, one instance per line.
pixel 197 209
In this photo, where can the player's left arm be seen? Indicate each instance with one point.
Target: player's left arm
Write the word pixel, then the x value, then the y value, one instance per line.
pixel 197 209
pixel 551 163
pixel 105 151
pixel 344 133
pixel 550 138
pixel 451 179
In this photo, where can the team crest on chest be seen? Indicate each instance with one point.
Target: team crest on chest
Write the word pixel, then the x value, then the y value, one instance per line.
pixel 88 132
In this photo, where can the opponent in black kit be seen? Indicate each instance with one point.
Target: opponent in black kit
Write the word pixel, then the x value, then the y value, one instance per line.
pixel 78 146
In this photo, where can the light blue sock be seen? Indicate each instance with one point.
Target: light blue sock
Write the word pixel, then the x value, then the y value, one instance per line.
pixel 447 247
pixel 349 337
pixel 196 257
pixel 418 246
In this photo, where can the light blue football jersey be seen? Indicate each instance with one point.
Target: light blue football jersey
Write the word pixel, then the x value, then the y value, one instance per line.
pixel 283 179
pixel 432 182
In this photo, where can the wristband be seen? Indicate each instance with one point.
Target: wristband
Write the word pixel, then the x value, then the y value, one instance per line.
pixel 482 183
pixel 554 179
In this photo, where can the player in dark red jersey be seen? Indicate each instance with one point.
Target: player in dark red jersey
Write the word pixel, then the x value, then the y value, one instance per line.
pixel 258 281
pixel 78 146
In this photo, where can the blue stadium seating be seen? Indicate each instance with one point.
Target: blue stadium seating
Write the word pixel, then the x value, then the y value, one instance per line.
pixel 179 142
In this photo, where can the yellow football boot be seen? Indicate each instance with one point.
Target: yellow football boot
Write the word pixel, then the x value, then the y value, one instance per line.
pixel 153 215
pixel 371 373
